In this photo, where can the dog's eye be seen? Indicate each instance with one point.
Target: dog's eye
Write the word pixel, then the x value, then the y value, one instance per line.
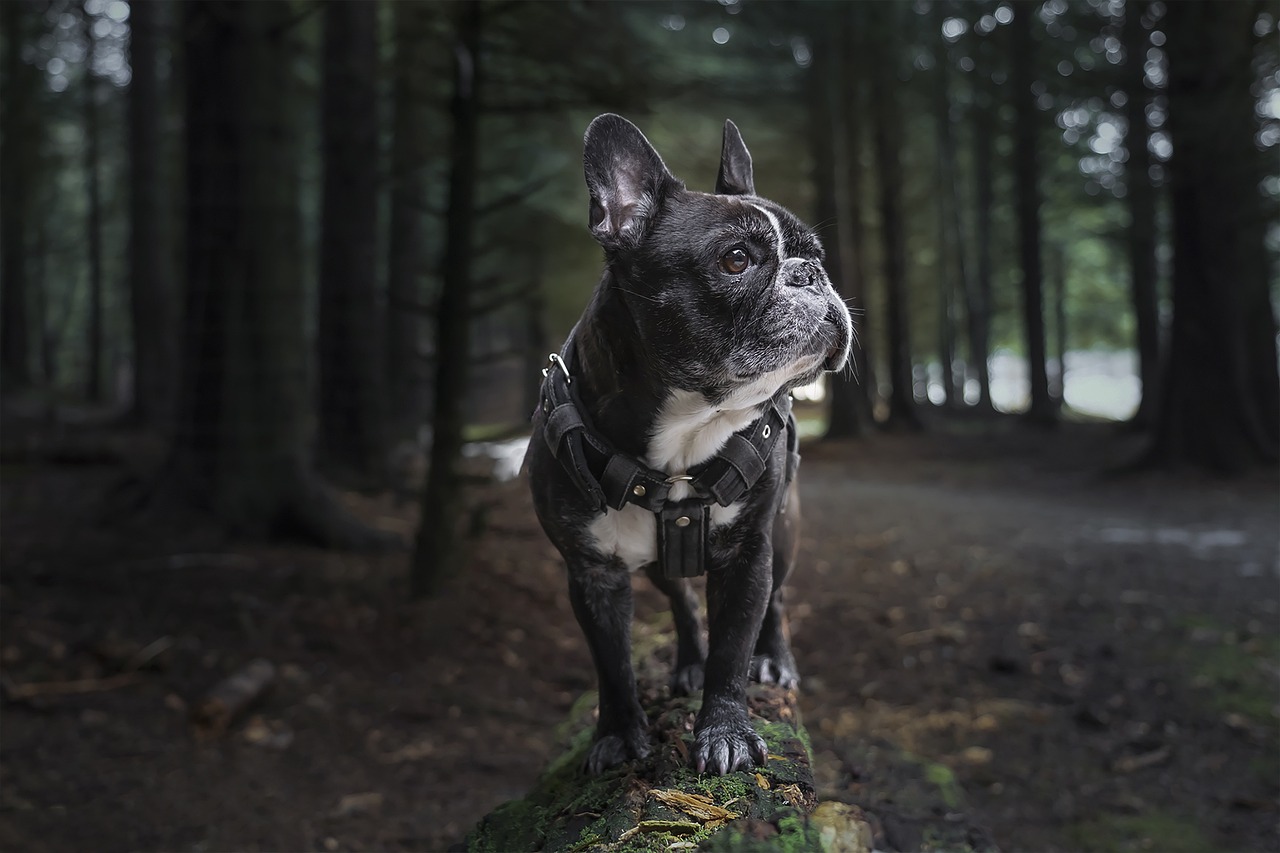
pixel 735 260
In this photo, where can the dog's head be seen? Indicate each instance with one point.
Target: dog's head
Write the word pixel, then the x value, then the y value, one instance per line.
pixel 726 289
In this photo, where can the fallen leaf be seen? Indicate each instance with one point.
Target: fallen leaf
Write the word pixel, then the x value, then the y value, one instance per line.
pixel 694 805
pixel 1132 763
pixel 369 802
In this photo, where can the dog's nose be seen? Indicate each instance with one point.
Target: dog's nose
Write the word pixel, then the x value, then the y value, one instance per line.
pixel 802 274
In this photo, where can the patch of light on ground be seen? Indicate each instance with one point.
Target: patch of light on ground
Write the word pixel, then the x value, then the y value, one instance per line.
pixel 1101 384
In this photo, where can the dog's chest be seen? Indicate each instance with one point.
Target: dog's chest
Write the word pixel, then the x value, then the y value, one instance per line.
pixel 686 432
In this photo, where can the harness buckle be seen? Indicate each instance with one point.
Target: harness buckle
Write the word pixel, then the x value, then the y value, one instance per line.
pixel 554 360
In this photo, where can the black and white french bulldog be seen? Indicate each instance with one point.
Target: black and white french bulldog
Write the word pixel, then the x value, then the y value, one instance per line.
pixel 711 307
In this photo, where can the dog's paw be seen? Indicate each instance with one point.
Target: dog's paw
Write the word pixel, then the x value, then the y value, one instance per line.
pixel 722 748
pixel 687 680
pixel 775 669
pixel 613 749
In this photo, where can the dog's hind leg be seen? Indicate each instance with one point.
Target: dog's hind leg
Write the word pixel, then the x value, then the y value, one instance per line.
pixel 691 644
pixel 601 599
pixel 772 662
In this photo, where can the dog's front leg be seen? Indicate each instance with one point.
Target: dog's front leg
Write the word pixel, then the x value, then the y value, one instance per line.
pixel 601 599
pixel 737 594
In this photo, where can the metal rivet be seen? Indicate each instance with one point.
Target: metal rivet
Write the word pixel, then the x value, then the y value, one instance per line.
pixel 638 491
pixel 767 430
pixel 682 521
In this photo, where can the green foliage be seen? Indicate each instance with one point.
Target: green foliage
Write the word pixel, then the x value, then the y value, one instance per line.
pixel 679 69
pixel 1151 831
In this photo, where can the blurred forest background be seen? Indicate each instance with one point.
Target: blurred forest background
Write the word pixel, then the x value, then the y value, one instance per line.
pixel 313 253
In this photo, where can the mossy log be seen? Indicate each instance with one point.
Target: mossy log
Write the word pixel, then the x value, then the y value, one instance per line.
pixel 662 804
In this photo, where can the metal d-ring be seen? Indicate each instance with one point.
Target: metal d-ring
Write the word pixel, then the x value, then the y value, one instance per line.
pixel 679 478
pixel 554 360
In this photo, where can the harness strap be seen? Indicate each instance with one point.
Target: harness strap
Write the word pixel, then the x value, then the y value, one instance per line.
pixel 612 479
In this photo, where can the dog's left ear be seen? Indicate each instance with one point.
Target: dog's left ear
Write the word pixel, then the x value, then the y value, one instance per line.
pixel 735 164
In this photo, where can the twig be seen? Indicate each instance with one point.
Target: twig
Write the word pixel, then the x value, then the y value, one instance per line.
pixel 34 689
pixel 230 697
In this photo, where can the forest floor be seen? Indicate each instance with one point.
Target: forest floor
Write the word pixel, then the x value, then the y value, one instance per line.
pixel 1077 661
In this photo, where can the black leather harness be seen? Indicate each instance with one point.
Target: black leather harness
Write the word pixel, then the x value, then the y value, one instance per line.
pixel 612 479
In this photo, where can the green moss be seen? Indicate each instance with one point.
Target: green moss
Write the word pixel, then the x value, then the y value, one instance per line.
pixel 794 835
pixel 941 776
pixel 1155 831
pixel 1234 673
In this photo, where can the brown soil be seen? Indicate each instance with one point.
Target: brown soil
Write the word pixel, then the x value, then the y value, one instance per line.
pixel 1093 660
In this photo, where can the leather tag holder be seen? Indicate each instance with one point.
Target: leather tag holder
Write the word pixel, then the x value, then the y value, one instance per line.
pixel 683 528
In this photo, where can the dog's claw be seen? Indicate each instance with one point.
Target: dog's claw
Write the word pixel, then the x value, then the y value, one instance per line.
pixel 779 670
pixel 612 750
pixel 726 747
pixel 687 680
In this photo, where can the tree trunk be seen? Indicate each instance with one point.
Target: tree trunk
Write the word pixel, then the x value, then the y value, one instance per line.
pixel 351 398
pixel 1026 166
pixel 830 139
pixel 537 341
pixel 92 163
pixel 1141 196
pixel 854 103
pixel 438 551
pixel 1058 279
pixel 240 443
pixel 950 252
pixel 887 119
pixel 1220 404
pixel 658 804
pixel 46 344
pixel 406 263
pixel 980 304
pixel 16 139
pixel 151 297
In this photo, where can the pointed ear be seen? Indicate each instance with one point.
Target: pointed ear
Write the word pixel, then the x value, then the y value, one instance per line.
pixel 626 178
pixel 735 164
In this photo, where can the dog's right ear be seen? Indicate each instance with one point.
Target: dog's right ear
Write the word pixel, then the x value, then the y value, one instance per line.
pixel 626 178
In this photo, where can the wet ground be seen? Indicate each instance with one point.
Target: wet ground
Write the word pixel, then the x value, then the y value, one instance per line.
pixel 1074 660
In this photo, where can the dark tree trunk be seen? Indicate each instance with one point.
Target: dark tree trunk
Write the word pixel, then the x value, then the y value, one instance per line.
pixel 151 297
pixel 241 437
pixel 406 264
pixel 1058 278
pixel 351 399
pixel 980 304
pixel 829 135
pixel 1141 195
pixel 1220 404
pixel 92 168
pixel 438 551
pixel 17 115
pixel 537 341
pixel 886 113
pixel 950 242
pixel 1026 166
pixel 47 344
pixel 862 371
pixel 965 291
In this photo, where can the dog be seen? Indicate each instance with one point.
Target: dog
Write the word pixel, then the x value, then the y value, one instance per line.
pixel 664 440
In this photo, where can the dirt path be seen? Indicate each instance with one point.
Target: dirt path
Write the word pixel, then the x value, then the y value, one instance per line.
pixel 1074 662
pixel 1095 660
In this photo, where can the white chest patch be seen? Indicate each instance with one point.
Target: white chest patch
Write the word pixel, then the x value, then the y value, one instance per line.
pixel 630 534
pixel 687 431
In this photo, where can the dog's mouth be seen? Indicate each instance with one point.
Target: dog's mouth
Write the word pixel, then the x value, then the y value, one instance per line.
pixel 838 352
pixel 834 359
